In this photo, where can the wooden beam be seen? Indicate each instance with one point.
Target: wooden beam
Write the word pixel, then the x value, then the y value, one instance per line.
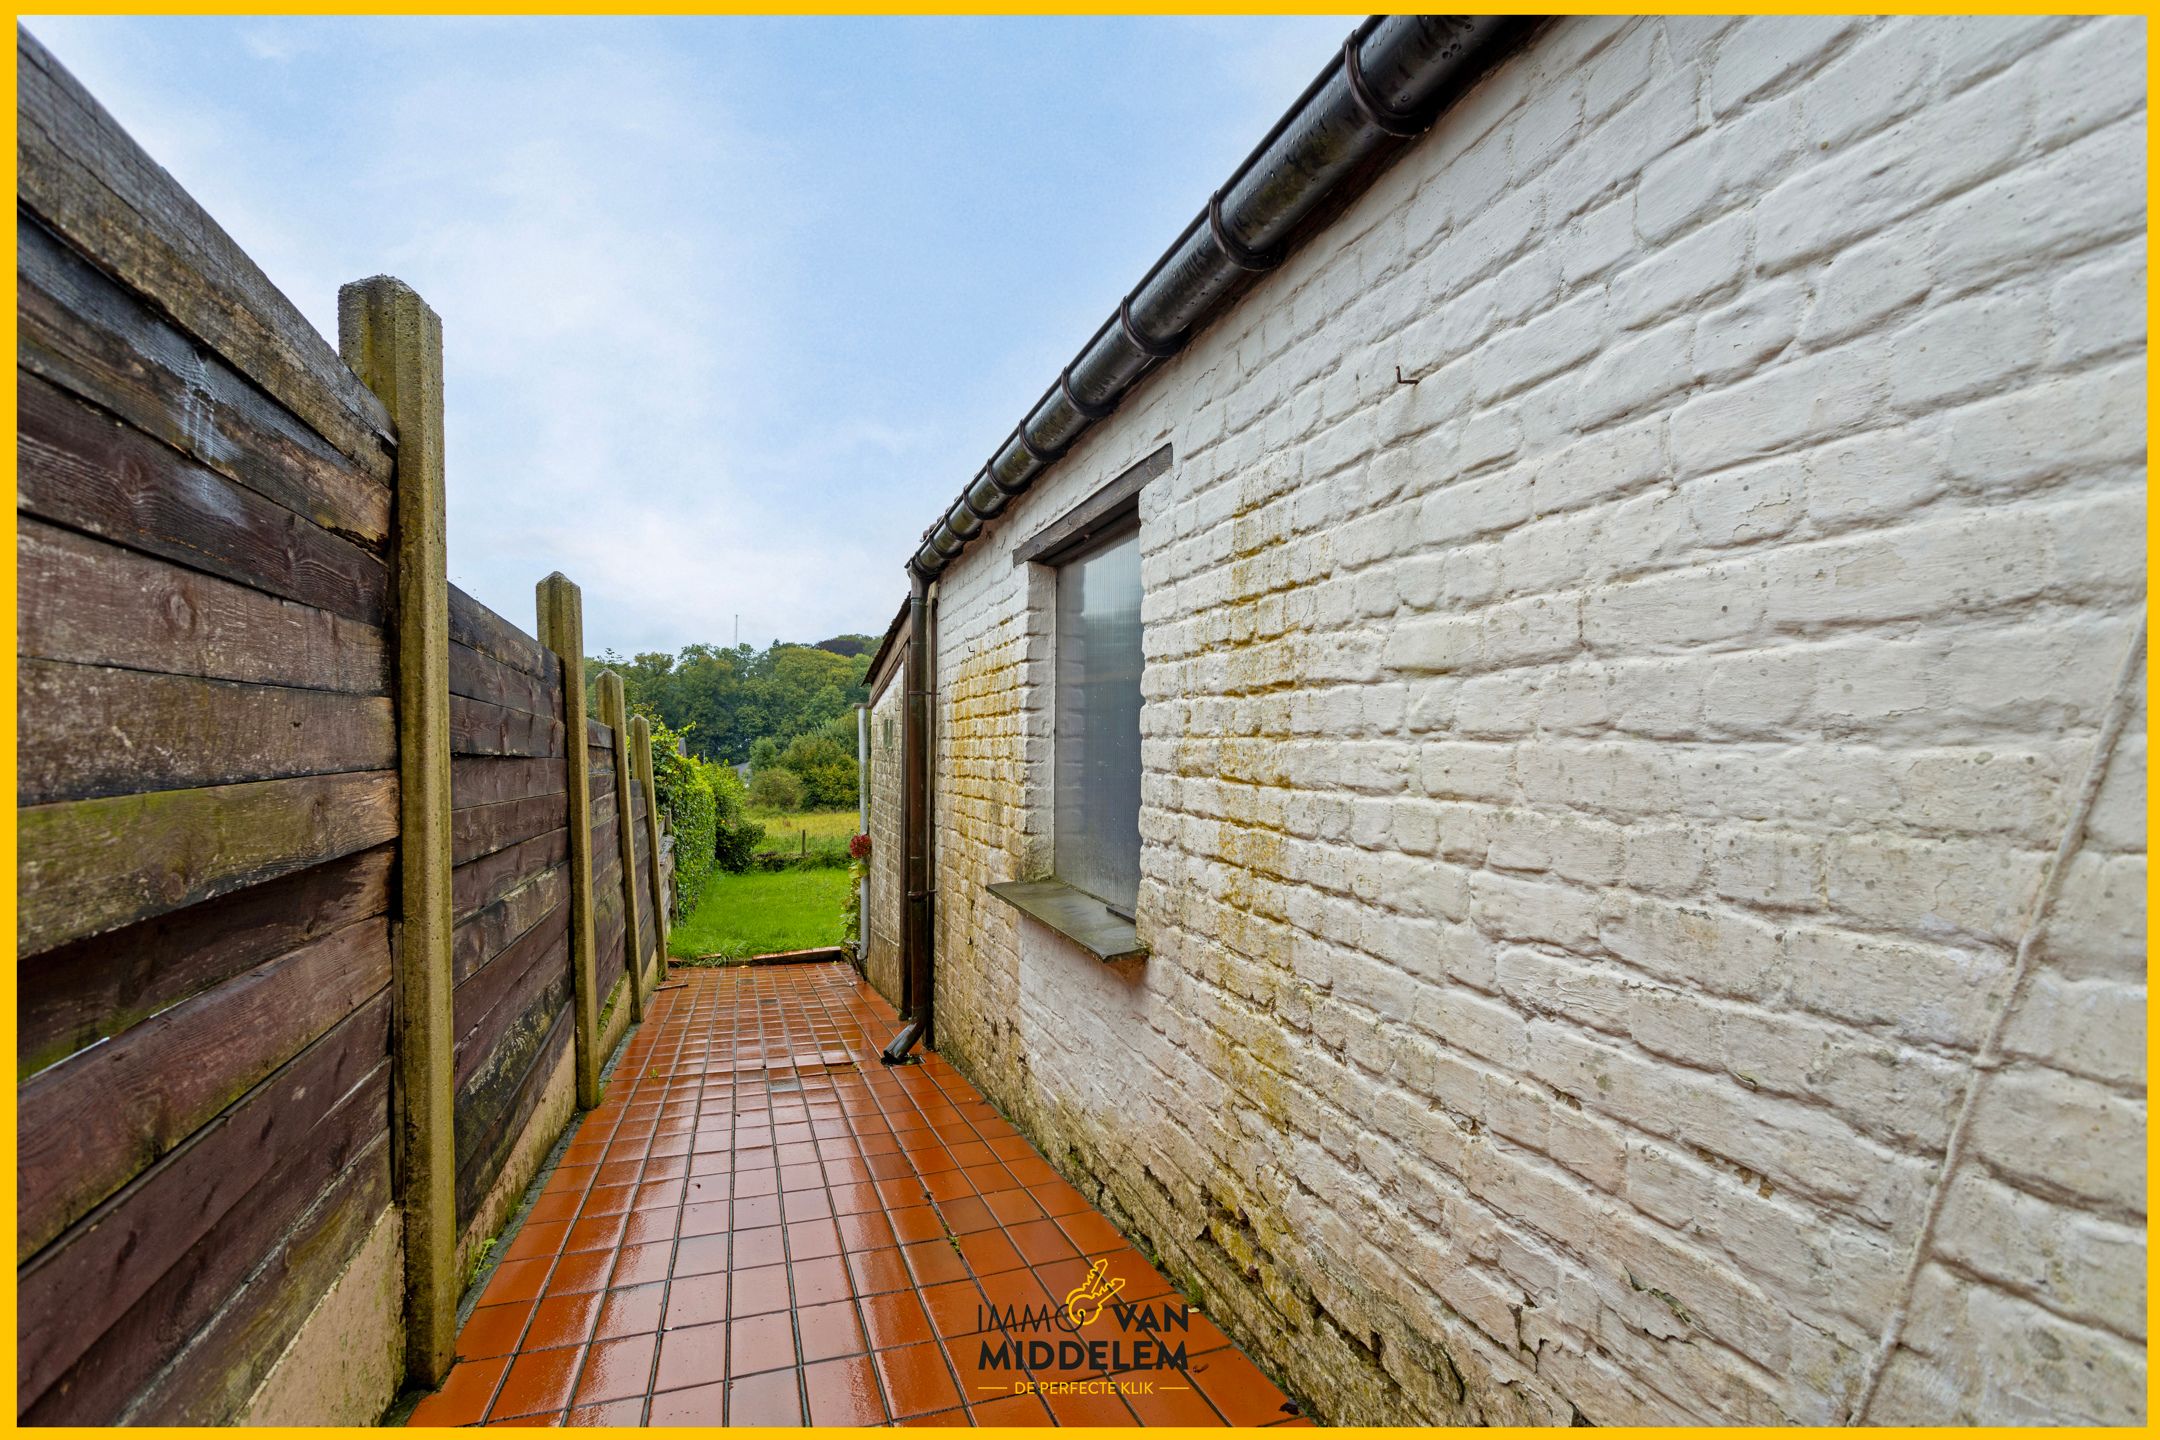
pixel 612 715
pixel 562 630
pixel 641 745
pixel 393 342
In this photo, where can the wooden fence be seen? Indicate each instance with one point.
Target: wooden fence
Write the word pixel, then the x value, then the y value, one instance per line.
pixel 323 912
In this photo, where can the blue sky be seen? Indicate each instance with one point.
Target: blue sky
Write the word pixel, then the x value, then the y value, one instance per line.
pixel 732 306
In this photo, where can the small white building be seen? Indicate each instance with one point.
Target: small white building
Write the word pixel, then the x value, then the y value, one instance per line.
pixel 1543 791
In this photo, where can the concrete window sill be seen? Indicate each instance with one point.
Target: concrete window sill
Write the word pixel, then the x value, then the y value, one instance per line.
pixel 1079 917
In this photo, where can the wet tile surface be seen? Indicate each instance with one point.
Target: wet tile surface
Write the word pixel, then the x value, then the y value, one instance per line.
pixel 763 1225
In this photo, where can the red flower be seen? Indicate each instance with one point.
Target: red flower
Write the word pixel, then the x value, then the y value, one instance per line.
pixel 859 846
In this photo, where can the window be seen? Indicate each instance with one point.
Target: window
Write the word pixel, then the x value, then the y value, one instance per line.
pixel 1096 730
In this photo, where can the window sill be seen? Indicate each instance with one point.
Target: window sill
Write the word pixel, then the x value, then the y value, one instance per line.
pixel 1079 917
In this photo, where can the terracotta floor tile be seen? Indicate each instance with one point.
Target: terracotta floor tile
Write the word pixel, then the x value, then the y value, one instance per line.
pixel 974 1360
pixel 806 1205
pixel 753 1249
pixel 812 1239
pixel 967 1215
pixel 865 1232
pixel 874 1272
pixel 916 1380
pixel 641 1263
pixel 463 1398
pixel 844 1392
pixel 493 1330
pixel 751 1183
pixel 896 1319
pixel 955 1309
pixel 915 1222
pixel 696 1300
pixel 696 1356
pixel 1013 1207
pixel 988 1251
pixel 562 1320
pixel 934 1262
pixel 700 1255
pixel 856 1200
pixel 817 1281
pixel 542 1237
pixel 553 1417
pixel 650 1227
pixel 539 1380
pixel 1170 1402
pixel 699 1405
pixel 1091 1233
pixel 1012 1410
pixel 611 1412
pixel 826 1331
pixel 1040 1242
pixel 1019 1290
pixel 774 1399
pixel 1083 1408
pixel 761 1342
pixel 1236 1387
pixel 577 1273
pixel 938 1420
pixel 663 1194
pixel 617 1370
pixel 554 1205
pixel 946 1186
pixel 517 1280
pixel 1058 1198
pixel 755 1292
pixel 635 1311
pixel 756 1211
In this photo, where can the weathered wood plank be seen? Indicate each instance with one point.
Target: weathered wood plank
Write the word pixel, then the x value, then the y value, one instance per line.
pixel 492 998
pixel 90 730
pixel 498 1103
pixel 560 606
pixel 212 1380
pixel 598 736
pixel 478 628
pixel 491 877
pixel 80 331
pixel 111 1258
pixel 482 677
pixel 82 599
pixel 481 830
pixel 91 1123
pixel 119 1346
pixel 87 866
pixel 478 728
pixel 80 467
pixel 491 779
pixel 78 169
pixel 90 990
pixel 481 936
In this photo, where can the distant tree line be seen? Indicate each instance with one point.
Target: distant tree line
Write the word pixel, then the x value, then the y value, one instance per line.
pixel 724 699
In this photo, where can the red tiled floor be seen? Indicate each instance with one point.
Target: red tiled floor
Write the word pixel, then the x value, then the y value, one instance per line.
pixel 763 1226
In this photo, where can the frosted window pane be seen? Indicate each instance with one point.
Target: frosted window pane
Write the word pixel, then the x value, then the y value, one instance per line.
pixel 1098 722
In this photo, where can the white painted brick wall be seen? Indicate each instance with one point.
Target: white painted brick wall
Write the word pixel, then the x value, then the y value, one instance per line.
pixel 1595 794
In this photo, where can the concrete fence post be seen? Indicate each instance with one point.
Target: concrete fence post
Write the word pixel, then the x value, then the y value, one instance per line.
pixel 612 715
pixel 641 752
pixel 393 342
pixel 562 629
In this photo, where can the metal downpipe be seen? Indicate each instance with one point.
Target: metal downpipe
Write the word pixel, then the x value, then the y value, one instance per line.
pixel 917 991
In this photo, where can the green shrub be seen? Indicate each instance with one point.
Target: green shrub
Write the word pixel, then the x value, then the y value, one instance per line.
pixel 735 835
pixel 685 795
pixel 776 788
pixel 826 770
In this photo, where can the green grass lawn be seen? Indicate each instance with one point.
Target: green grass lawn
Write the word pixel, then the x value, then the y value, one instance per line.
pixel 829 830
pixel 763 911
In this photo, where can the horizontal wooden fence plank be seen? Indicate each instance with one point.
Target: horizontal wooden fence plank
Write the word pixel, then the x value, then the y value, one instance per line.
pixel 481 677
pixel 88 1125
pixel 211 1381
pixel 90 990
pixel 119 1347
pixel 87 866
pixel 498 1103
pixel 478 728
pixel 85 334
pixel 488 879
pixel 111 1258
pixel 90 730
pixel 476 627
pixel 599 736
pixel 483 829
pixel 80 467
pixel 492 999
pixel 77 168
pixel 536 900
pixel 83 599
pixel 491 779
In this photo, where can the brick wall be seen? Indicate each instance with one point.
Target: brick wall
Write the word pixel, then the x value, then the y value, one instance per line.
pixel 1635 612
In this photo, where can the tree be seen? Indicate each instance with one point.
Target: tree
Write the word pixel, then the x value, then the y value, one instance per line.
pixel 776 788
